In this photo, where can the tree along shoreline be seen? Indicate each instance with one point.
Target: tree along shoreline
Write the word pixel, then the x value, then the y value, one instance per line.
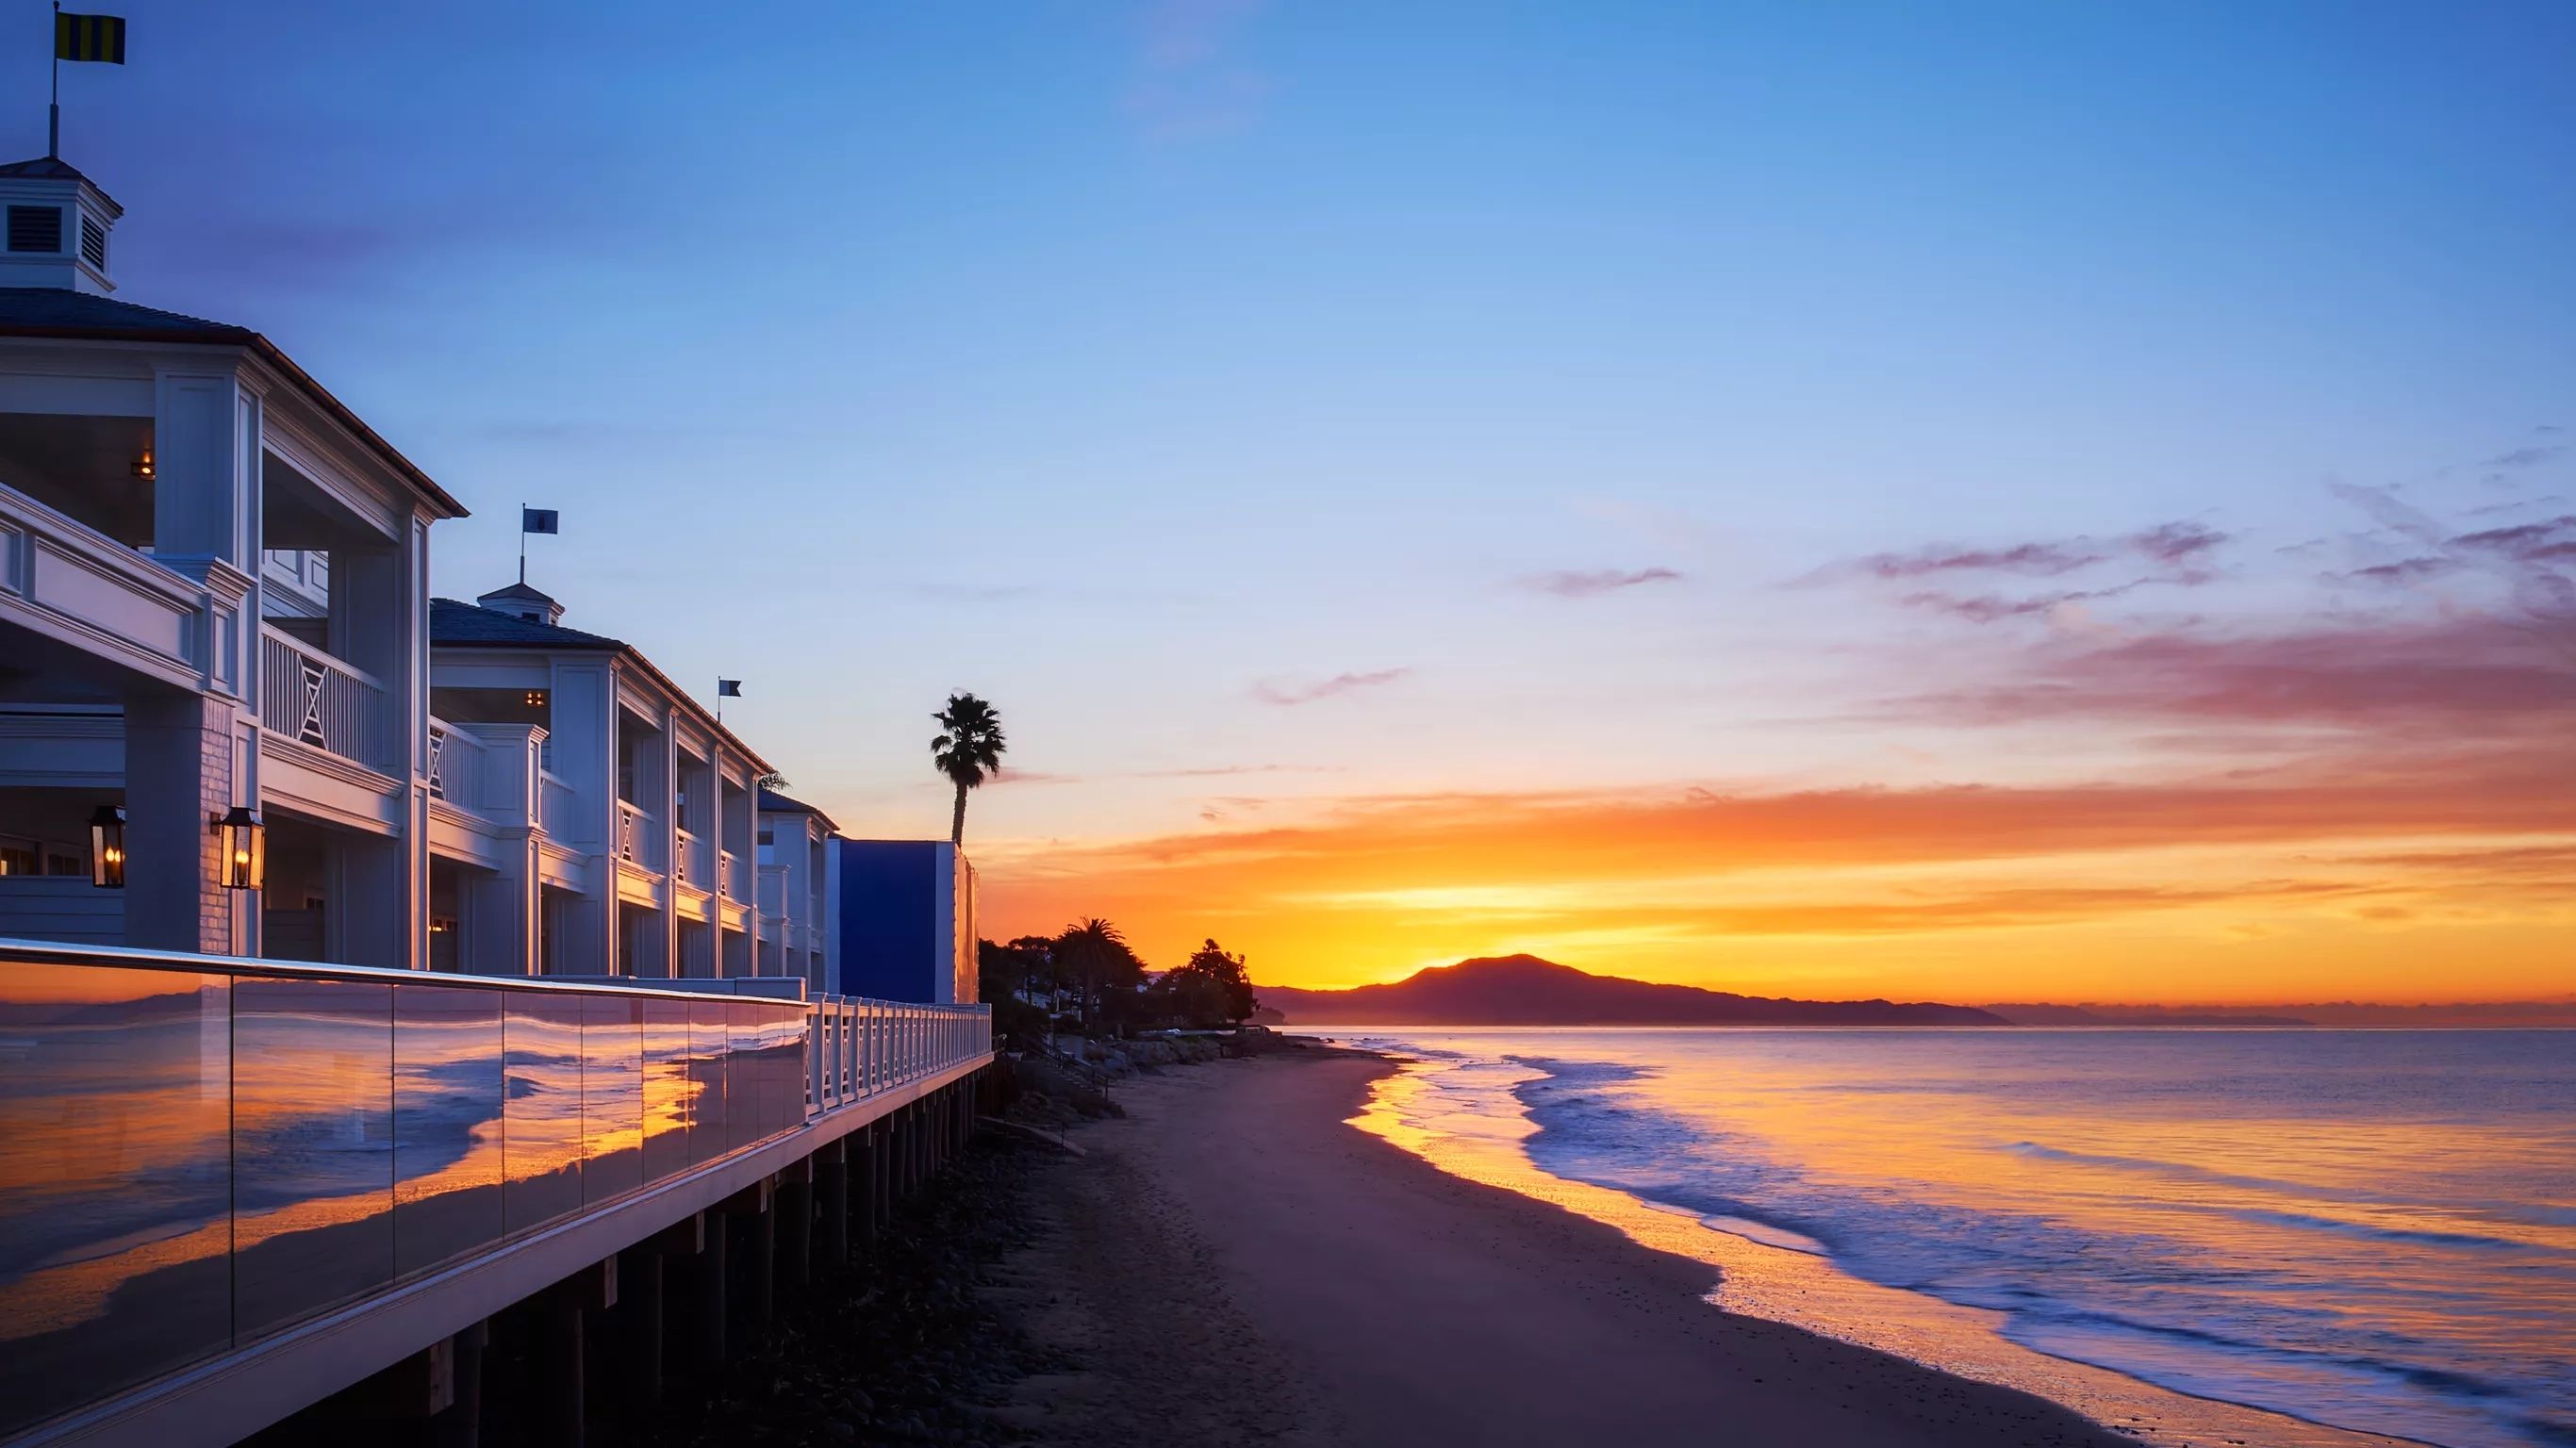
pixel 1087 980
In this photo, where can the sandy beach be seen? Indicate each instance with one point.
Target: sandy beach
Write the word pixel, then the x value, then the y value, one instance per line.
pixel 1232 1263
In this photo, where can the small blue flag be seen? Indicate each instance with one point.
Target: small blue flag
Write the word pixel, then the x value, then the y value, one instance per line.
pixel 538 520
pixel 728 688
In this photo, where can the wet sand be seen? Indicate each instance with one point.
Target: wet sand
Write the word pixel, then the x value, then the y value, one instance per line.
pixel 1233 1263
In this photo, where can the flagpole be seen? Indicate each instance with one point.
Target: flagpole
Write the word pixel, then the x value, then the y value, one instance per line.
pixel 54 114
pixel 720 701
pixel 523 527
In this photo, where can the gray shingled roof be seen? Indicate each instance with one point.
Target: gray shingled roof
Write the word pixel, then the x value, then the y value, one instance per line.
pixel 521 590
pixel 772 802
pixel 63 312
pixel 451 622
pixel 61 308
pixel 52 168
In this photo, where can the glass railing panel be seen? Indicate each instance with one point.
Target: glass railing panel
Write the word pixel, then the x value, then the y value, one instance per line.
pixel 742 1075
pixel 782 1087
pixel 671 1088
pixel 795 1097
pixel 612 1096
pixel 711 1052
pixel 115 1180
pixel 313 1147
pixel 542 1144
pixel 449 1093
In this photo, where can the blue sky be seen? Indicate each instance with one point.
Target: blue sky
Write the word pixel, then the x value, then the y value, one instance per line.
pixel 1383 399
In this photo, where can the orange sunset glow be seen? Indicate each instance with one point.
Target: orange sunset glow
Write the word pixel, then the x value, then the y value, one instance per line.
pixel 2360 808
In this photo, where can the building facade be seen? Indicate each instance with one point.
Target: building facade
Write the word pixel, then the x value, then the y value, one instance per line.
pixel 234 722
pixel 632 848
pixel 901 921
pixel 150 465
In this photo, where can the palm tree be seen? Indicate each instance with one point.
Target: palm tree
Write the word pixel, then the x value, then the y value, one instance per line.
pixel 1098 956
pixel 968 750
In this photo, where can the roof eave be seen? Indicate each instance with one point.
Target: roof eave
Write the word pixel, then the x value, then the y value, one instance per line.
pixel 443 503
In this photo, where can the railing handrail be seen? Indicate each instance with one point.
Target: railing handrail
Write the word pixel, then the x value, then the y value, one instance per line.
pixel 454 734
pixel 139 567
pixel 319 655
pixel 124 957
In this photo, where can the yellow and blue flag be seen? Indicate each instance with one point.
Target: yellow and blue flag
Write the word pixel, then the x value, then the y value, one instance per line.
pixel 89 37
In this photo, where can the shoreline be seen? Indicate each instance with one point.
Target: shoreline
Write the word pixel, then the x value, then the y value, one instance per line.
pixel 1808 1291
pixel 1232 1254
pixel 1360 1294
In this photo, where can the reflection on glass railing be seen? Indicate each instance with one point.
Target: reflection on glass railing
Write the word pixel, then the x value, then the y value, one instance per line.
pixel 448 1138
pixel 313 1147
pixel 612 1096
pixel 191 1160
pixel 115 1180
pixel 541 1108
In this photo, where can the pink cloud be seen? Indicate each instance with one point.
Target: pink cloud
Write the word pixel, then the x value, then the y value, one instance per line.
pixel 1290 695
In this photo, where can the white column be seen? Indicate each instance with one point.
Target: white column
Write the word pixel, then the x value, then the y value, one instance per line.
pixel 504 907
pixel 583 703
pixel 380 609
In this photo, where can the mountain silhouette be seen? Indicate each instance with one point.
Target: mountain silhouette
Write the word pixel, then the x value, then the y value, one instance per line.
pixel 1523 990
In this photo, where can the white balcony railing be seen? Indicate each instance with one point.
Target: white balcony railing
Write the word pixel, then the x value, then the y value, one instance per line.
pixel 556 803
pixel 730 881
pixel 638 837
pixel 456 766
pixel 65 577
pixel 313 697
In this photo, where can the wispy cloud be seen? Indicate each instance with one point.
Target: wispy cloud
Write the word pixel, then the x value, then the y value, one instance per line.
pixel 2180 549
pixel 2404 570
pixel 2550 541
pixel 2497 681
pixel 2527 457
pixel 1574 584
pixel 1222 771
pixel 1994 608
pixel 1289 695
pixel 2030 560
pixel 1009 774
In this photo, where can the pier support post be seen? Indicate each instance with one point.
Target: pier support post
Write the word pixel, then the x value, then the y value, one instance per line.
pixel 558 1384
pixel 864 1185
pixel 749 1217
pixel 639 1312
pixel 883 1150
pixel 796 1225
pixel 832 1164
pixel 556 1379
pixel 460 1423
pixel 710 1305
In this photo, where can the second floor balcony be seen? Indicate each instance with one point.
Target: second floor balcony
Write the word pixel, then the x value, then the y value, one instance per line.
pixel 318 699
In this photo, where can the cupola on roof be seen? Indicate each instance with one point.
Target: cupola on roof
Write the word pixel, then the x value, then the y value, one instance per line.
pixel 57 227
pixel 518 600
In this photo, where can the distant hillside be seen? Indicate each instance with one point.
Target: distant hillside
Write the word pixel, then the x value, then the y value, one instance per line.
pixel 2046 1015
pixel 2495 1014
pixel 1523 990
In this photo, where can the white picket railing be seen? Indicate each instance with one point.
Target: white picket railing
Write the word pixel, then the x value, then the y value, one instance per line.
pixel 321 700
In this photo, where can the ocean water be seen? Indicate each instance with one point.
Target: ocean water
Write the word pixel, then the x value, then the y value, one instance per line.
pixel 2368 1230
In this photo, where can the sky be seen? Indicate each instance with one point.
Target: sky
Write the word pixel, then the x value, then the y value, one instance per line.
pixel 1980 502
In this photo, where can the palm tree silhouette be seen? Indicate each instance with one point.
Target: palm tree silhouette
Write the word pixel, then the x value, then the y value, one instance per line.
pixel 1099 957
pixel 968 750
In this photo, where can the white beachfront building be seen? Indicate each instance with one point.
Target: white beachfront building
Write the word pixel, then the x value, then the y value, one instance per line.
pixel 795 841
pixel 646 854
pixel 151 467
pixel 214 606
